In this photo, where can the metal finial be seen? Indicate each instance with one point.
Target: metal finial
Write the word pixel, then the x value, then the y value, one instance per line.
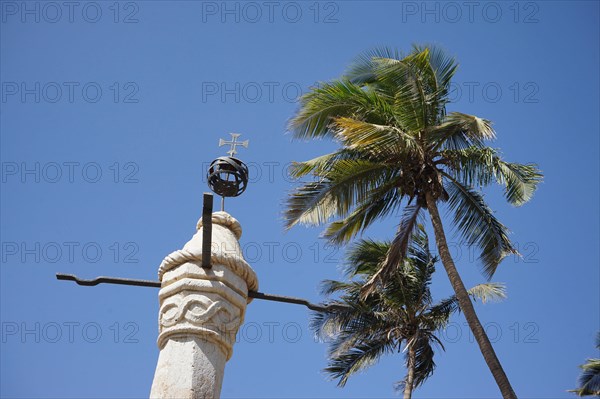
pixel 233 143
pixel 228 176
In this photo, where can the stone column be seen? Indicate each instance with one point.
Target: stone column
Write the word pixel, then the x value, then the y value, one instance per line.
pixel 200 312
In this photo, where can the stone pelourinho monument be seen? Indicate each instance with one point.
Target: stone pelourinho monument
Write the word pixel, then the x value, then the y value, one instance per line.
pixel 200 312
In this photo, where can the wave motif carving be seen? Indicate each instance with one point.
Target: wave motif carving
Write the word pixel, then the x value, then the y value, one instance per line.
pixel 200 311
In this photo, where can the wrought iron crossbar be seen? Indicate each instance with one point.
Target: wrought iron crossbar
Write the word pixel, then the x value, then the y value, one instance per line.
pixel 156 284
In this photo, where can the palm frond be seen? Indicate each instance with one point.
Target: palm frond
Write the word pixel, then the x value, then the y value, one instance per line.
pixel 411 98
pixel 335 99
pixel 418 249
pixel 359 357
pixel 362 70
pixel 400 80
pixel 435 70
pixel 459 130
pixel 589 380
pixel 424 364
pixel 398 248
pixel 441 65
pixel 344 183
pixel 478 225
pixel 409 222
pixel 364 258
pixel 481 165
pixel 349 317
pixel 329 287
pixel 424 355
pixel 379 141
pixel 488 292
pixel 321 164
pixel 307 204
pixel 381 202
pixel 438 315
pixel 520 181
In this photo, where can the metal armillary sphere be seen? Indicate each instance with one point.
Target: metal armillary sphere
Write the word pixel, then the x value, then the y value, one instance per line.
pixel 228 176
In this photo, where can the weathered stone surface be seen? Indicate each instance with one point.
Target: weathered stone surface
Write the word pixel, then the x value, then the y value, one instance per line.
pixel 200 312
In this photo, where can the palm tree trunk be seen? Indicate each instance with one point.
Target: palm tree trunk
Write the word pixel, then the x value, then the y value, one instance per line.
pixel 410 378
pixel 466 305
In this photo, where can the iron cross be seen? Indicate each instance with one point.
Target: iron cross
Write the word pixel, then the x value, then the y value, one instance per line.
pixel 233 143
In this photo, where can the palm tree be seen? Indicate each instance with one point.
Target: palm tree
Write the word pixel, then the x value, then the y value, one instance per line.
pixel 397 316
pixel 589 380
pixel 399 148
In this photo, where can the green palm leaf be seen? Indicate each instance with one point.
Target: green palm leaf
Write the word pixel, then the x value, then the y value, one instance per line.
pixel 459 130
pixel 479 166
pixel 441 66
pixel 438 314
pixel 478 226
pixel 319 106
pixel 589 380
pixel 320 165
pixel 382 201
pixel 396 253
pixel 363 68
pixel 364 258
pixel 380 141
pixel 424 364
pixel 344 183
pixel 361 356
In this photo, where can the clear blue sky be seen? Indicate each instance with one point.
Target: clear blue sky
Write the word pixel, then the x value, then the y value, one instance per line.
pixel 110 112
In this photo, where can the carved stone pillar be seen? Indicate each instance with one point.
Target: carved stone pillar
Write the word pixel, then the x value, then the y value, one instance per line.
pixel 200 312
